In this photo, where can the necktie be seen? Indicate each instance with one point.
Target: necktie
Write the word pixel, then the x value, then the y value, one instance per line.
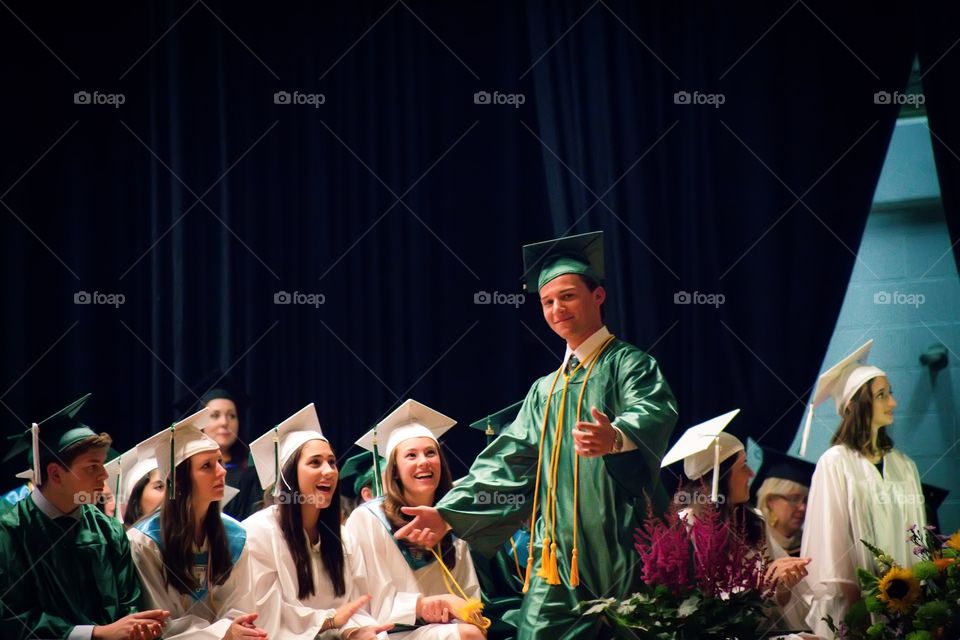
pixel 572 364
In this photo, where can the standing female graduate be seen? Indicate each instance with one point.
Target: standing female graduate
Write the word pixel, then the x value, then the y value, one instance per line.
pixel 191 558
pixel 305 571
pixel 407 583
pixel 862 489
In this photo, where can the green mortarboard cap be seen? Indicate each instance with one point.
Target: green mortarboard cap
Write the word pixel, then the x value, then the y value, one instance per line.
pixel 786 467
pixel 356 473
pixel 495 423
pixel 581 254
pixel 54 434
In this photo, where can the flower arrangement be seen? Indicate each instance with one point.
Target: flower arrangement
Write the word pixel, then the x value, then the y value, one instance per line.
pixel 921 602
pixel 701 580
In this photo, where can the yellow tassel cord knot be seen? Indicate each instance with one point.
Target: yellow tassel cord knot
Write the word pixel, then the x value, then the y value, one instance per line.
pixel 472 611
pixel 549 561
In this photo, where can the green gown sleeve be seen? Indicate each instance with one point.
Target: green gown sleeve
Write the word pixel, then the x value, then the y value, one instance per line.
pixel 647 417
pixel 490 504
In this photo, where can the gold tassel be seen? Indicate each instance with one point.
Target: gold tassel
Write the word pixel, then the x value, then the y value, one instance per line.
pixel 544 558
pixel 553 576
pixel 526 581
pixel 574 570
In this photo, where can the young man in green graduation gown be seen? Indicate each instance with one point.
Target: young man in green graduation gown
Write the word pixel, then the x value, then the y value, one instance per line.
pixel 584 448
pixel 65 567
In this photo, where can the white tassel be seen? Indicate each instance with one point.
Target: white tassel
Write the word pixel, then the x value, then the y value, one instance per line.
pixel 715 491
pixel 35 443
pixel 806 431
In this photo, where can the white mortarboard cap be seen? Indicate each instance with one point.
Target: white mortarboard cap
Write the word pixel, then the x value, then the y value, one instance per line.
pixel 182 441
pixel 127 469
pixel 229 493
pixel 410 420
pixel 703 447
pixel 841 382
pixel 272 450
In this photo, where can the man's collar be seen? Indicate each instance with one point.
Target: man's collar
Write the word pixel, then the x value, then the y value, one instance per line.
pixel 588 346
pixel 48 509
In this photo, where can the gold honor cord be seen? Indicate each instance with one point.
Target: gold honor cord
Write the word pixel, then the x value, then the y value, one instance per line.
pixel 472 612
pixel 516 559
pixel 548 558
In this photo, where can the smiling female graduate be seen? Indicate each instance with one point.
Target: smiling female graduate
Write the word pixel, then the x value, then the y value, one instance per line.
pixel 408 584
pixel 862 489
pixel 192 559
pixel 307 577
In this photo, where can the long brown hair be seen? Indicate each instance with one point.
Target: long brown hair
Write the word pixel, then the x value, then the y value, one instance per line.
pixel 855 427
pixel 394 500
pixel 132 511
pixel 696 493
pixel 176 533
pixel 328 527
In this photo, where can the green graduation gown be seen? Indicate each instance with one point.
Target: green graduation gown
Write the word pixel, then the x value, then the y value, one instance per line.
pixel 497 495
pixel 54 578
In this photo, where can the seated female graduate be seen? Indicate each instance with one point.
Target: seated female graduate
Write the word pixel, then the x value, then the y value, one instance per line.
pixel 192 559
pixel 437 587
pixel 134 480
pixel 307 577
pixel 715 464
pixel 862 489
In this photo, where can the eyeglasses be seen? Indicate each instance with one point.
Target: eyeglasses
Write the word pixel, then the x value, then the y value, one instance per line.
pixel 795 501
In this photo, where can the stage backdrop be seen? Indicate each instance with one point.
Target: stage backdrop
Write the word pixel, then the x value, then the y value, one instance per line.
pixel 327 200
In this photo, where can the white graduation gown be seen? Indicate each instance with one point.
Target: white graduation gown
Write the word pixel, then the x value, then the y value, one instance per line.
pixel 208 618
pixel 281 613
pixel 394 587
pixel 849 501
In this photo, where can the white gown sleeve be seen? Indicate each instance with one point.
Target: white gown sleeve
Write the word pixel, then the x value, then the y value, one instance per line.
pixel 385 569
pixel 828 541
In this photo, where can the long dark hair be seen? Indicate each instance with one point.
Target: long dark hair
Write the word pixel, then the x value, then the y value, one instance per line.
pixel 132 512
pixel 856 427
pixel 176 532
pixel 697 492
pixel 394 500
pixel 328 527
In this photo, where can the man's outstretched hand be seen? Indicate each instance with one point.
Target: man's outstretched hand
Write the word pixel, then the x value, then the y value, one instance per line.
pixel 425 530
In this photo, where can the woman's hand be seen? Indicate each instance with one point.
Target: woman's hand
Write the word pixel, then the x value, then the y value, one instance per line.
pixel 244 629
pixel 439 608
pixel 788 571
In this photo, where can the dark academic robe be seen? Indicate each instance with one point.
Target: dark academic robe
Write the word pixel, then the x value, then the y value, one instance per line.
pixel 55 576
pixel 626 384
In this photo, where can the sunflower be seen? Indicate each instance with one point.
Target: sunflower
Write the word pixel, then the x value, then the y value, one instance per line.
pixel 954 541
pixel 898 589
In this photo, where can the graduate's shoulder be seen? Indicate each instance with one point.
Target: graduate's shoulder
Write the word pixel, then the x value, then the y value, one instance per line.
pixel 110 527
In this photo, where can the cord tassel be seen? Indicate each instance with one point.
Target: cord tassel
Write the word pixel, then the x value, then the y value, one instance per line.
pixel 574 570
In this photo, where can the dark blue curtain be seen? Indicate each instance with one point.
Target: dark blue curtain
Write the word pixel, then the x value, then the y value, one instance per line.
pixel 400 198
